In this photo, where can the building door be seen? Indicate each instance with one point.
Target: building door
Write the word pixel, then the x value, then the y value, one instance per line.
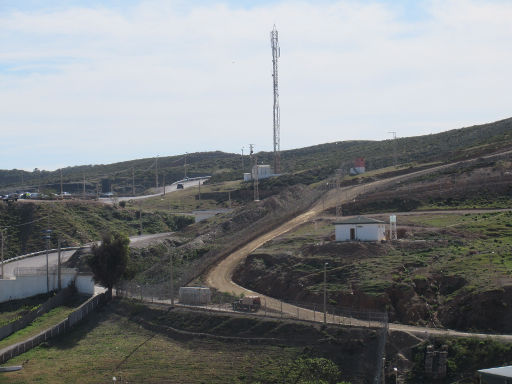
pixel 352 233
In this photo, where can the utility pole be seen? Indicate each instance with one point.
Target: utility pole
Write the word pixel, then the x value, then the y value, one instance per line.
pixel 172 280
pixel 61 190
pixel 133 181
pixel 243 168
pixel 2 252
pixel 156 172
pixel 186 153
pixel 254 161
pixel 59 266
pixel 199 191
pixel 325 292
pixel 164 182
pixel 83 191
pixel 140 217
pixel 394 148
pixel 339 177
pixel 47 237
pixel 276 53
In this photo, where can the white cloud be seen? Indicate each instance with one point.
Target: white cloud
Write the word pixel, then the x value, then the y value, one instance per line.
pixel 161 77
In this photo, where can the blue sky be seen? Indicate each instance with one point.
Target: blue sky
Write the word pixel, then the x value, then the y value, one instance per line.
pixel 88 82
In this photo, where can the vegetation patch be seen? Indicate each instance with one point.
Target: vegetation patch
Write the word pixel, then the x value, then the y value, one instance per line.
pixel 465 357
pixel 132 342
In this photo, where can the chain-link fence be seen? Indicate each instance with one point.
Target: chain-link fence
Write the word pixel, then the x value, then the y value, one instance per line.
pixel 268 307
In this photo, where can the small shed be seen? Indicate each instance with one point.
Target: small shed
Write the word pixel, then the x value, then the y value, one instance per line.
pixel 500 375
pixel 360 228
pixel 194 295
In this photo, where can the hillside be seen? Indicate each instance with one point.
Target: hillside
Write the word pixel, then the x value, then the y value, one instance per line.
pixel 75 223
pixel 311 164
pixel 451 266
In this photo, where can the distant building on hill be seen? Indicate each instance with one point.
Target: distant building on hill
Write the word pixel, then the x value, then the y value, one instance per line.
pixel 359 166
pixel 360 228
pixel 263 171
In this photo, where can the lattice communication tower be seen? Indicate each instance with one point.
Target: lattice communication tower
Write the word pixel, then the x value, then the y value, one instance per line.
pixel 276 53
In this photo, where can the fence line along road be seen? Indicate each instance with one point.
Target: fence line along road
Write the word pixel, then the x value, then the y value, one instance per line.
pixel 269 308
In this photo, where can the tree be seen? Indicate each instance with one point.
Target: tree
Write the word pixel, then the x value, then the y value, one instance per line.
pixel 109 259
pixel 307 370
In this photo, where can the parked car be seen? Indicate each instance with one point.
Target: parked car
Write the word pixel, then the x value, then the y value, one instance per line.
pixel 65 195
pixel 179 186
pixel 10 197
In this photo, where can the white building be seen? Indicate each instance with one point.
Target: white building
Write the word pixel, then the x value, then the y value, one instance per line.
pixel 360 228
pixel 263 171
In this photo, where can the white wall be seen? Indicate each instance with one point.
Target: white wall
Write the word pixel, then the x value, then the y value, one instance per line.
pixel 363 232
pixel 26 286
pixel 264 171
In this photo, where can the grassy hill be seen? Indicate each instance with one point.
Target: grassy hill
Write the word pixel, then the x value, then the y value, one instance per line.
pixel 76 223
pixel 149 344
pixel 313 163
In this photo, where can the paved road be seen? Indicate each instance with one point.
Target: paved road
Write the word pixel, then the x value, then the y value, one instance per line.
pixel 38 261
pixel 158 191
pixel 220 277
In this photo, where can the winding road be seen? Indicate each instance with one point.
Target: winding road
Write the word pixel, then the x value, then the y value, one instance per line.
pixel 220 276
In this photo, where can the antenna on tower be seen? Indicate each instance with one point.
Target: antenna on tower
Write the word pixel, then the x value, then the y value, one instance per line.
pixel 276 53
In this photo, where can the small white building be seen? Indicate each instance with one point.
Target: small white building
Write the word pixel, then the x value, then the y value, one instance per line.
pixel 360 228
pixel 263 170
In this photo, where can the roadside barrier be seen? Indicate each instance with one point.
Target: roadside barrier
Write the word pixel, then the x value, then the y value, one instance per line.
pixel 75 317
pixel 21 257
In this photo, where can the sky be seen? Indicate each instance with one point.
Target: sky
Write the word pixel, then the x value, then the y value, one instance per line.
pixel 96 82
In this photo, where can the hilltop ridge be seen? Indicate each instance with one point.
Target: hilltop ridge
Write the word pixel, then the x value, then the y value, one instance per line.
pixel 324 159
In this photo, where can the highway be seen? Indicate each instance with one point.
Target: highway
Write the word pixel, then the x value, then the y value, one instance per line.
pixel 158 191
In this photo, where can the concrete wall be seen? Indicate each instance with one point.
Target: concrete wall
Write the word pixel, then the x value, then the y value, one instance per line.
pixel 363 232
pixel 25 286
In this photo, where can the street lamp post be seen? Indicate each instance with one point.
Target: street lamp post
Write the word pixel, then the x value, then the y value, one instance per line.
pixel 325 292
pixel 172 281
pixel 243 168
pixel 2 252
pixel 47 237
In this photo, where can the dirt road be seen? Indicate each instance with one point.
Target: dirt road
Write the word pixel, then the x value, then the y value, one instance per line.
pixel 220 276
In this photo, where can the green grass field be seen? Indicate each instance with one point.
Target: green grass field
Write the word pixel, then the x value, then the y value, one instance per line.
pixel 114 343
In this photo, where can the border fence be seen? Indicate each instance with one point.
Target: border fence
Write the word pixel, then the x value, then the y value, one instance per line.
pixel 76 316
pixel 270 307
